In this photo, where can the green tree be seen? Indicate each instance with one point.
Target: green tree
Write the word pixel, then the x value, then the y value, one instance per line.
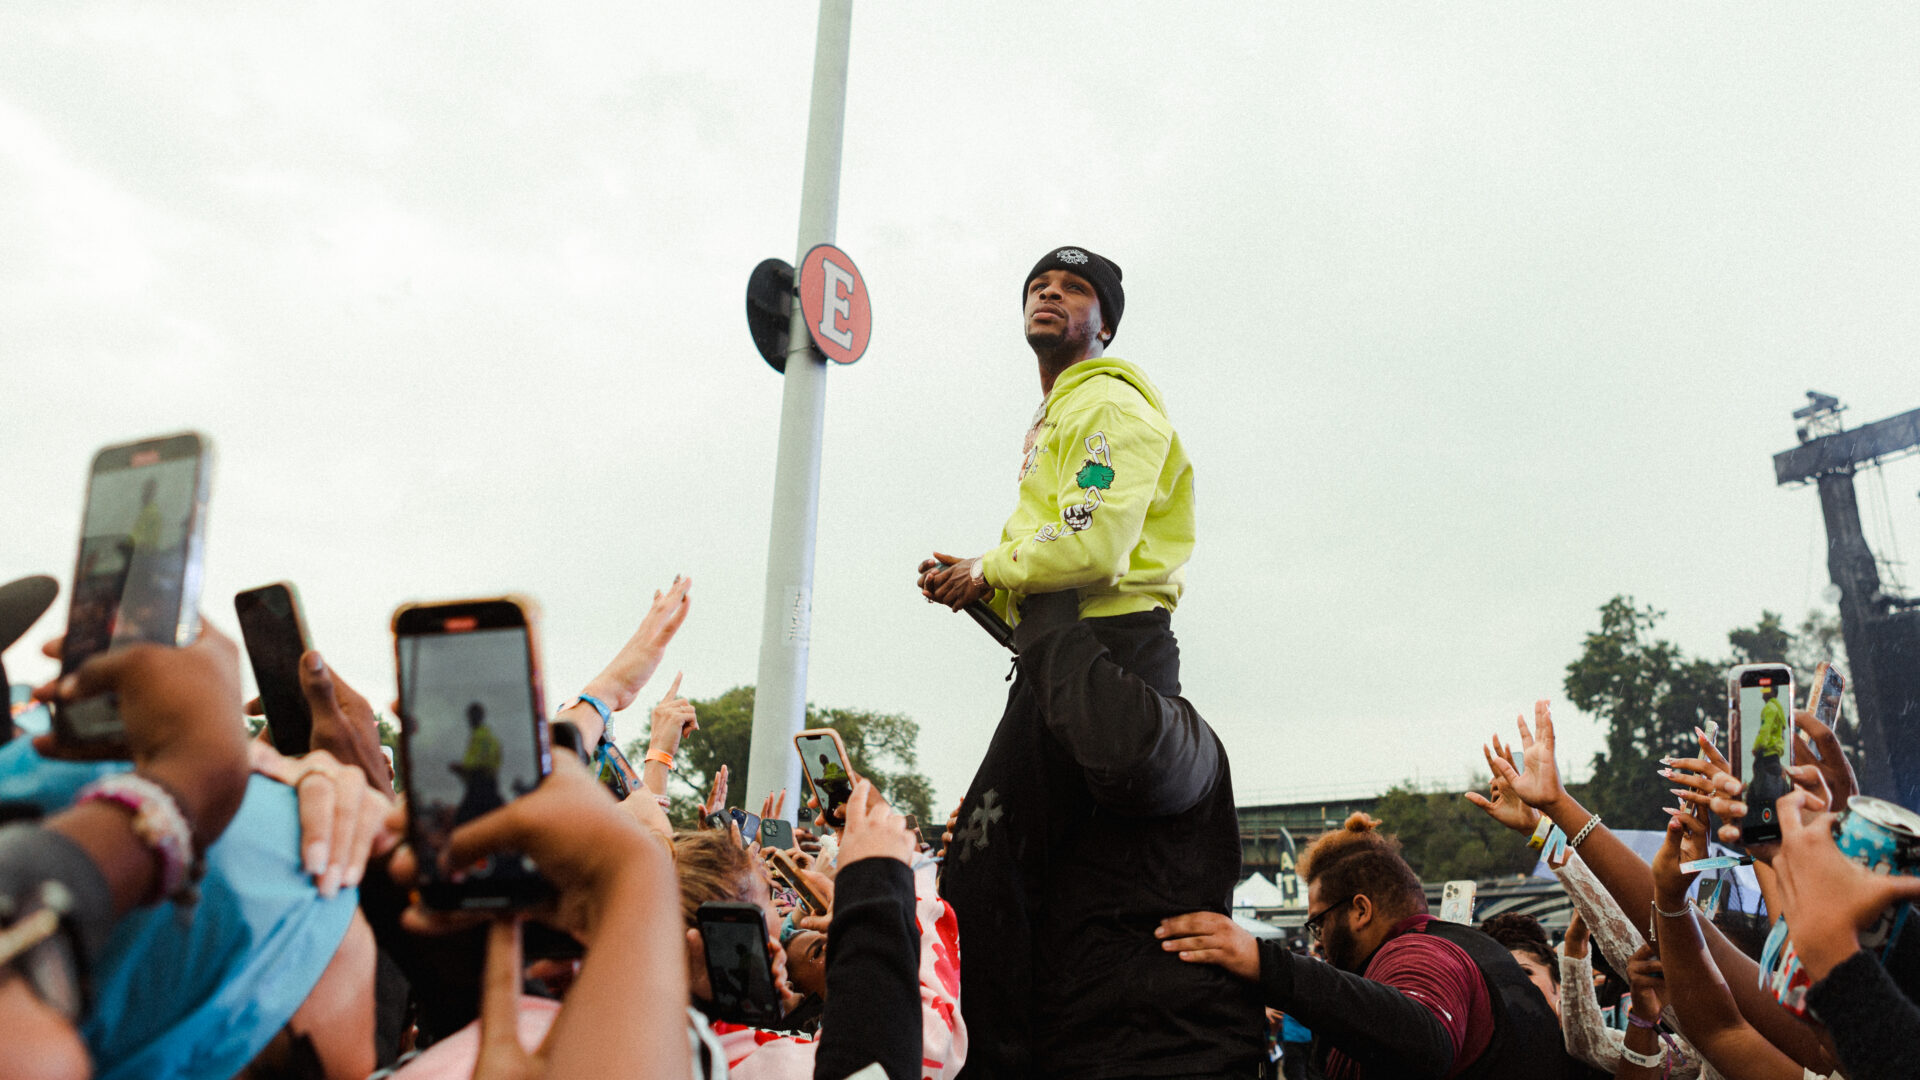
pixel 1443 836
pixel 1651 696
pixel 882 746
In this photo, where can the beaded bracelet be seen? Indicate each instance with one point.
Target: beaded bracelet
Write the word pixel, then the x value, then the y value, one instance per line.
pixel 158 824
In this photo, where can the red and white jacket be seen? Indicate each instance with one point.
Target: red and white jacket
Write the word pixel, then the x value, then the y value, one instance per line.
pixel 753 1054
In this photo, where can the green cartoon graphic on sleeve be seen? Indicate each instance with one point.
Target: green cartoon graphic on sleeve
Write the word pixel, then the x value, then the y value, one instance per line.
pixel 1094 475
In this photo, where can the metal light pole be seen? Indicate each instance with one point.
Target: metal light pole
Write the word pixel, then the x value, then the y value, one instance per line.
pixel 780 695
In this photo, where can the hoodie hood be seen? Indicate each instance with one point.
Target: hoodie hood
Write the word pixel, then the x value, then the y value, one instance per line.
pixel 1106 366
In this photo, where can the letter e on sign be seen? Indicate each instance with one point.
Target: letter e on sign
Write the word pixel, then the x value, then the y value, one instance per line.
pixel 833 297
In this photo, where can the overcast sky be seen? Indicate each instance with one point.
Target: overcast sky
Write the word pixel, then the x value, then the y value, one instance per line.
pixel 1470 316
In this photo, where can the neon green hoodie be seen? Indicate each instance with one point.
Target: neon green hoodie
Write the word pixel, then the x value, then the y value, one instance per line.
pixel 1106 499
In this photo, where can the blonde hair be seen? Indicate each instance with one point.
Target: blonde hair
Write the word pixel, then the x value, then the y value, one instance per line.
pixel 711 867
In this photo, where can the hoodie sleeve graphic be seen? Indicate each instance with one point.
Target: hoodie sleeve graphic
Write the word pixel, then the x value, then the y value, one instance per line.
pixel 1100 482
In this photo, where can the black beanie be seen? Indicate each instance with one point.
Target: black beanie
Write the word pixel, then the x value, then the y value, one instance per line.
pixel 1101 272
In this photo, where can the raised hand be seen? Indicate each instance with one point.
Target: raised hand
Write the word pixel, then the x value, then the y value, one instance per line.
pixel 619 684
pixel 873 830
pixel 1685 841
pixel 1709 783
pixel 673 719
pixel 1539 786
pixel 1577 938
pixel 1504 807
pixel 717 794
pixel 1647 981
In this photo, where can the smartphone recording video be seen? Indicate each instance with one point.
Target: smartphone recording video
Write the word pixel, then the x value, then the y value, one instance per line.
pixel 1760 706
pixel 739 967
pixel 473 737
pixel 275 635
pixel 137 578
pixel 824 757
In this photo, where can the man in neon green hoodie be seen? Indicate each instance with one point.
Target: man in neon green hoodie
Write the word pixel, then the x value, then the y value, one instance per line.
pixel 1106 490
pixel 1103 801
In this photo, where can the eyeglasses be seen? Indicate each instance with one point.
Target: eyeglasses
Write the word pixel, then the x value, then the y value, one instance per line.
pixel 1317 924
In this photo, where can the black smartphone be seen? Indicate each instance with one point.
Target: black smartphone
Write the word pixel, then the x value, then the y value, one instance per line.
pixel 137 579
pixel 776 833
pixel 739 967
pixel 275 633
pixel 1760 738
pixel 473 735
pixel 824 758
pixel 749 824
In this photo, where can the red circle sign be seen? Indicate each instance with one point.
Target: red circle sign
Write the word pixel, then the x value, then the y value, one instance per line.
pixel 833 297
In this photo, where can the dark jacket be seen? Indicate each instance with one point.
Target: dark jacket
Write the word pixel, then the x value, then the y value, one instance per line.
pixel 873 975
pixel 1104 804
pixel 1875 1027
pixel 1391 1035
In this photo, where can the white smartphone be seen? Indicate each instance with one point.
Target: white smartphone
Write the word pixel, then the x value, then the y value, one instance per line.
pixel 1456 902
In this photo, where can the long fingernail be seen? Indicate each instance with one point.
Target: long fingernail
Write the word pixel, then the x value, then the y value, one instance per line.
pixel 317 857
pixel 1666 761
pixel 330 883
pixel 1680 791
pixel 1668 773
pixel 314 663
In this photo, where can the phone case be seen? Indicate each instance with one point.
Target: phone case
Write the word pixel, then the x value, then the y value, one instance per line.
pixel 521 890
pixel 95 722
pixel 845 762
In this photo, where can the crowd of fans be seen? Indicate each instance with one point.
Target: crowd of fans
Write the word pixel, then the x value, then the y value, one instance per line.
pixel 294 945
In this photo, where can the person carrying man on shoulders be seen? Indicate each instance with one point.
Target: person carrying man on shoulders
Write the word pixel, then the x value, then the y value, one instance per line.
pixel 1402 994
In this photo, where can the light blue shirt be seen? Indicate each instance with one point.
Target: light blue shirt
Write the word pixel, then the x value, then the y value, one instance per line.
pixel 193 994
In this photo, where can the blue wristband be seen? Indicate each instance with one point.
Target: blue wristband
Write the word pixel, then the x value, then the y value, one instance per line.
pixel 606 714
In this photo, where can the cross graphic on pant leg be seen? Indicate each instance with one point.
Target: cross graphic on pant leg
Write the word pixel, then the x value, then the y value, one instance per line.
pixel 975 834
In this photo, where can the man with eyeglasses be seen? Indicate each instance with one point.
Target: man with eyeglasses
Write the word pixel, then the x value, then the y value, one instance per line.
pixel 1403 994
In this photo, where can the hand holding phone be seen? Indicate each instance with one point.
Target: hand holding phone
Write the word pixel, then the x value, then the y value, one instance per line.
pixel 785 867
pixel 749 825
pixel 823 757
pixel 740 982
pixel 473 738
pixel 1759 702
pixel 137 578
pixel 776 833
pixel 275 632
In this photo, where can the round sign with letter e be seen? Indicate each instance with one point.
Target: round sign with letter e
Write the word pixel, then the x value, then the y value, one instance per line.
pixel 834 299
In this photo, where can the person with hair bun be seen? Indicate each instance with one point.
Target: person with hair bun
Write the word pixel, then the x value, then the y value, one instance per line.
pixel 1404 994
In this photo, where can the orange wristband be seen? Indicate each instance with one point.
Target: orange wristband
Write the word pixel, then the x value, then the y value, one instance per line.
pixel 660 757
